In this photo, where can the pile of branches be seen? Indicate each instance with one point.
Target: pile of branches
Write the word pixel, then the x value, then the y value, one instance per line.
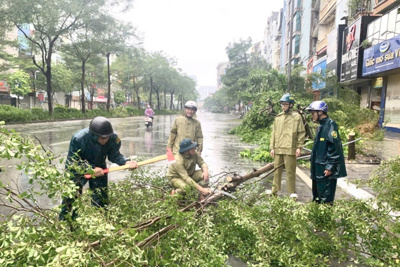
pixel 145 226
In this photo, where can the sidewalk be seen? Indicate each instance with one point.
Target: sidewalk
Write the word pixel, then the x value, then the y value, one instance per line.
pixel 388 148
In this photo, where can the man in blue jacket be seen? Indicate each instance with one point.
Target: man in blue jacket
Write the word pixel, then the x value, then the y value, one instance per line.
pixel 92 146
pixel 327 160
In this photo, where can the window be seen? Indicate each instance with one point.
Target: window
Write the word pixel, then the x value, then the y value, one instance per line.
pixel 296 44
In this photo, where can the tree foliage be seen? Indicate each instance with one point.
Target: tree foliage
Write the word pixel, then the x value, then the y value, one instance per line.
pixel 144 226
pixel 20 83
pixel 51 21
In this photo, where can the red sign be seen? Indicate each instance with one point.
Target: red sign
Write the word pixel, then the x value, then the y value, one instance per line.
pixel 351 36
pixel 4 88
pixel 100 92
pixel 41 97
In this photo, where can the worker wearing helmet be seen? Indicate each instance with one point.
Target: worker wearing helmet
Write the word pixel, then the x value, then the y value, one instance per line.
pixel 183 174
pixel 186 126
pixel 327 160
pixel 92 146
pixel 287 138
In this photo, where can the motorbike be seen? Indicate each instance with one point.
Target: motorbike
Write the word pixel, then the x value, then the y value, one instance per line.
pixel 148 121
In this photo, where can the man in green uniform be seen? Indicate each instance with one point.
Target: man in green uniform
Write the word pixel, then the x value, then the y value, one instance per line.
pixel 287 138
pixel 186 127
pixel 327 160
pixel 183 174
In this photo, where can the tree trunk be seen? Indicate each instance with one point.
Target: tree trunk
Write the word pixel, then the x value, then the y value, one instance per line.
pixel 49 91
pixel 34 87
pixel 83 86
pixel 91 97
pixel 158 96
pixel 137 95
pixel 171 105
pixel 151 91
pixel 109 83
pixel 165 99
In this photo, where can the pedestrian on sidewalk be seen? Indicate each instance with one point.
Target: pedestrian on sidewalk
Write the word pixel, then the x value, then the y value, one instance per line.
pixel 287 139
pixel 186 126
pixel 92 146
pixel 183 174
pixel 327 159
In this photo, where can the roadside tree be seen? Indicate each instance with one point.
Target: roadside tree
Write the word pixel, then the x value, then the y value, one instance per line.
pixel 20 84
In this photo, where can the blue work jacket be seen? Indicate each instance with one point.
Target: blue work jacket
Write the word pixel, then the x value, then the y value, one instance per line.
pixel 87 147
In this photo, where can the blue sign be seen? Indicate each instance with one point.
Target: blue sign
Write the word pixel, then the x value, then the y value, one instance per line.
pixel 319 69
pixel 382 57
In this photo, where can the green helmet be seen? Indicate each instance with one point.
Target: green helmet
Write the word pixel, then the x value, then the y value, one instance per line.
pixel 186 145
pixel 287 98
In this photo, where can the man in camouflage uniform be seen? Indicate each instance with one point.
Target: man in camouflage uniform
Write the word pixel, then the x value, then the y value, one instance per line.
pixel 183 174
pixel 186 127
pixel 287 138
pixel 327 159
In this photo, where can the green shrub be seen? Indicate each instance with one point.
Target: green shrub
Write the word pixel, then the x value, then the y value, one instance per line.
pixel 39 114
pixel 14 114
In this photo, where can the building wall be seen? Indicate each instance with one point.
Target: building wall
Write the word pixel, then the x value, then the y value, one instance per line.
pixel 283 37
pixel 392 107
pixel 221 70
pixel 379 7
pixel 385 27
pixel 270 33
pixel 305 32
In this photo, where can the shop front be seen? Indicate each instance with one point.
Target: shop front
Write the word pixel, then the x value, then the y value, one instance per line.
pixel 382 62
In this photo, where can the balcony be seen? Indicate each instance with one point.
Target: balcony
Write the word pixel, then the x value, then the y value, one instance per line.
pixel 321 44
pixel 327 10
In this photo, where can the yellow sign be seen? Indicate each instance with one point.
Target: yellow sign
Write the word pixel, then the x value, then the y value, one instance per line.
pixel 377 83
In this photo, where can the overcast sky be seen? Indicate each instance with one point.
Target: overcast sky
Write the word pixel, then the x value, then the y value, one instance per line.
pixel 196 32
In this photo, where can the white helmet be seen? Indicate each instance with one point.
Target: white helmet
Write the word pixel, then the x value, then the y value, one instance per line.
pixel 191 104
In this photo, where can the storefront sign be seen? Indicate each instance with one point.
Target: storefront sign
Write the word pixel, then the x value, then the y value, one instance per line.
pixel 334 50
pixel 320 70
pixel 377 83
pixel 41 97
pixel 350 47
pixel 4 88
pixel 352 50
pixel 101 92
pixel 382 57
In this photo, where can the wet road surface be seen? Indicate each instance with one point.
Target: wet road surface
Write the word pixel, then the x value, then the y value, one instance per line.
pixel 221 150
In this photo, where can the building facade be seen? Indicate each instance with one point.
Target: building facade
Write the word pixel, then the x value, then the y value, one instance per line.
pixel 221 70
pixel 381 64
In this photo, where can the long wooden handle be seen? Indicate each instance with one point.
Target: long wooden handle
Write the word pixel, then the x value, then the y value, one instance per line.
pixel 124 167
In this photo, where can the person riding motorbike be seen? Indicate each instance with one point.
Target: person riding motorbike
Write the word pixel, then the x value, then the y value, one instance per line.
pixel 149 116
pixel 149 112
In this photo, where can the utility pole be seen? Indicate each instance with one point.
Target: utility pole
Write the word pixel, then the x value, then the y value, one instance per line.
pixel 289 72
